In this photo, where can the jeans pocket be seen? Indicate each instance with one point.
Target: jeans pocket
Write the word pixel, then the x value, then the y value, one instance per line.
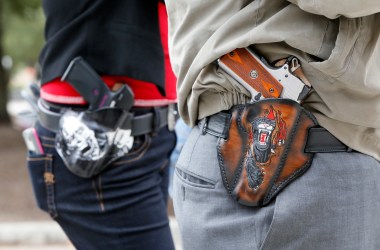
pixel 41 173
pixel 194 180
pixel 140 146
pixel 265 221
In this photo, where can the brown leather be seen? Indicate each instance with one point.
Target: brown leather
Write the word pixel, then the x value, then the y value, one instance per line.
pixel 264 150
pixel 244 64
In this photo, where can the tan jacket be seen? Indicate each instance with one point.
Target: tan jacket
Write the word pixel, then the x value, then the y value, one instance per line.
pixel 338 43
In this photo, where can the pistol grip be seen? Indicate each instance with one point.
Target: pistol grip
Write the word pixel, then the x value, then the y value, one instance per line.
pixel 248 67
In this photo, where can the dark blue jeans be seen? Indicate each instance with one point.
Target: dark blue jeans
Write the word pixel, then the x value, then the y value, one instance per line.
pixel 122 208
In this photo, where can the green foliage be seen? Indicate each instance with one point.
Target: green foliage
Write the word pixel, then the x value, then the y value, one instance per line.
pixel 22 8
pixel 21 38
pixel 23 22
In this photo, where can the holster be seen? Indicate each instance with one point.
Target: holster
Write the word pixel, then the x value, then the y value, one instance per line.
pixel 264 150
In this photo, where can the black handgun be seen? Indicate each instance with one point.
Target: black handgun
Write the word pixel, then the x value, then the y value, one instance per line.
pixel 92 88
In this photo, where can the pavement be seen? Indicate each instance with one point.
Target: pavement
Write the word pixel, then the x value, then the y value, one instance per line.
pixel 33 235
pixel 47 235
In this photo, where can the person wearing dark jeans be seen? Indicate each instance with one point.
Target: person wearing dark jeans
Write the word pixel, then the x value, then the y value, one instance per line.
pixel 124 205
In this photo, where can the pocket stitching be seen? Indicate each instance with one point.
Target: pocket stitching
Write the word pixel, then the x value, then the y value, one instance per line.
pixel 36 158
pixel 272 224
pixel 211 184
pixel 134 155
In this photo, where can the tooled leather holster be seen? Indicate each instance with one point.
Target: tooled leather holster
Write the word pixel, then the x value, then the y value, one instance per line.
pixel 264 149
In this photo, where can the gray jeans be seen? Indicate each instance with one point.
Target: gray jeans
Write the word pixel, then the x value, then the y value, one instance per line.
pixel 334 205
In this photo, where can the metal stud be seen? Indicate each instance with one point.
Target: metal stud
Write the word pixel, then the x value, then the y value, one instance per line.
pixel 253 74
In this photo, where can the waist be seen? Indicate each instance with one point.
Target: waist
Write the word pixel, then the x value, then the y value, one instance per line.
pixel 319 139
pixel 146 94
pixel 144 119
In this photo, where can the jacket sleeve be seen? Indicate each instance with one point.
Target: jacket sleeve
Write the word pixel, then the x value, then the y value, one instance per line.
pixel 334 9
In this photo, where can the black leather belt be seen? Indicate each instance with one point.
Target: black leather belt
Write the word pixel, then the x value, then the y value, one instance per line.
pixel 319 139
pixel 159 117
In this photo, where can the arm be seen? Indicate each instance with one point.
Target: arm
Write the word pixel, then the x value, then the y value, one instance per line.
pixel 334 9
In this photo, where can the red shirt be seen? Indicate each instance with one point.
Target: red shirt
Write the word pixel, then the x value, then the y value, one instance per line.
pixel 146 93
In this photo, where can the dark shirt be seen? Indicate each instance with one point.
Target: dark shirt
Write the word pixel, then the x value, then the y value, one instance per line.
pixel 118 37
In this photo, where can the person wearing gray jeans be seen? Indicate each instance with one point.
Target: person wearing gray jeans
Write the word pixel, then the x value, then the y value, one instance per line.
pixel 333 203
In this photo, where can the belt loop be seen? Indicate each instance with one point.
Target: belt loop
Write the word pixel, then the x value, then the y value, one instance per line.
pixel 172 116
pixel 204 127
pixel 156 121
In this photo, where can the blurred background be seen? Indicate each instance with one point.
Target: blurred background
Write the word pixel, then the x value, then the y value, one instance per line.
pixel 22 225
pixel 21 38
